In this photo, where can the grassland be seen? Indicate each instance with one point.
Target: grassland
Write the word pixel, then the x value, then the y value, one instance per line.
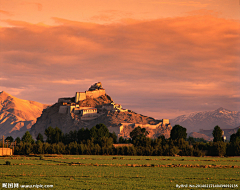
pixel 119 172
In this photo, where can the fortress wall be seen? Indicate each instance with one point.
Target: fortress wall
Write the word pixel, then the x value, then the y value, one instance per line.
pixel 90 94
pixel 120 129
pixel 150 126
pixel 70 108
pixel 165 121
pixel 159 128
pixel 141 125
pixel 80 96
pixel 95 93
pixel 77 97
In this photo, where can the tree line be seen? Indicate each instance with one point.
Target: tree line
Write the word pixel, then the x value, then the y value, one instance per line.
pixel 99 141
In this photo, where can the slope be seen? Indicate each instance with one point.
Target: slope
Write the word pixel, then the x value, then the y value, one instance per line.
pixel 207 120
pixel 71 117
pixel 17 115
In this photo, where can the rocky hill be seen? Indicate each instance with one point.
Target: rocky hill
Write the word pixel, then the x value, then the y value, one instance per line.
pixel 207 120
pixel 200 135
pixel 89 108
pixel 227 132
pixel 17 115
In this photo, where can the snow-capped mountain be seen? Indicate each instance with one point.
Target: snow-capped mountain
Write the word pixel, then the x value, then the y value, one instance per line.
pixel 207 120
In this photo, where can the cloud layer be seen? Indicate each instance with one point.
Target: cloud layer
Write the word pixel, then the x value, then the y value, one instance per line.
pixel 162 67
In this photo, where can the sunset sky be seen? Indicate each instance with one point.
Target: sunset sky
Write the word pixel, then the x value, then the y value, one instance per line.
pixel 158 58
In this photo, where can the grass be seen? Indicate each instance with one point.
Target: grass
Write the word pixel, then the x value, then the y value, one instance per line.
pixel 117 172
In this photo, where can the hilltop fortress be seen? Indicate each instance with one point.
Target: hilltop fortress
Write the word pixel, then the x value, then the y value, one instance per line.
pixel 94 91
pixel 88 112
pixel 83 109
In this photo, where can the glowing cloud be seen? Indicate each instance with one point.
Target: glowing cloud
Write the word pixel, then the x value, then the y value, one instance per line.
pixel 180 63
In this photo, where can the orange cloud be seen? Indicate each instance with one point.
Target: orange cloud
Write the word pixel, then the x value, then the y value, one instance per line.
pixel 37 5
pixel 5 13
pixel 197 4
pixel 110 16
pixel 181 63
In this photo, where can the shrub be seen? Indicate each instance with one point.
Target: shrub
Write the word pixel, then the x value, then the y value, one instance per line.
pixel 8 163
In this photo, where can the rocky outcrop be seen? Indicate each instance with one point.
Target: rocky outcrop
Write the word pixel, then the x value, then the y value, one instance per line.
pixel 200 135
pixel 66 122
pixel 96 86
pixel 71 119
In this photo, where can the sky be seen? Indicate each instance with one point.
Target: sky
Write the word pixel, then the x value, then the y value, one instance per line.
pixel 159 58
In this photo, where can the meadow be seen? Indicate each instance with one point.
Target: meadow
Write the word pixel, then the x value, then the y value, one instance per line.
pixel 119 172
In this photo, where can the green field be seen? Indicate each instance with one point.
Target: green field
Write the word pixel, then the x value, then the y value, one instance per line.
pixel 119 172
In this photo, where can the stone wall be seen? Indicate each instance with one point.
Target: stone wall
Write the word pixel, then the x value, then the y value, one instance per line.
pixel 80 96
pixel 95 93
pixel 142 125
pixel 90 94
pixel 165 121
pixel 154 130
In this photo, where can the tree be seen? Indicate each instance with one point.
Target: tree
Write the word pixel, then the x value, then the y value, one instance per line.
pixel 235 136
pixel 57 135
pixel 114 137
pixel 121 140
pixel 102 130
pixel 217 148
pixel 73 136
pixel 9 138
pixel 217 134
pixel 163 139
pixel 40 137
pixel 49 132
pixel 27 137
pixel 170 149
pixel 18 140
pixel 138 132
pixel 53 135
pixel 178 132
pixel 191 140
pixel 83 135
pixel 98 132
pixel 139 137
pixel 233 148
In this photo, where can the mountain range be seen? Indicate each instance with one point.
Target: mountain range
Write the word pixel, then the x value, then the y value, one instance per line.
pixel 207 120
pixel 17 115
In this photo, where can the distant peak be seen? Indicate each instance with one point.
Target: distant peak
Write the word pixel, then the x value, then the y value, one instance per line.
pixel 4 93
pixel 222 109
